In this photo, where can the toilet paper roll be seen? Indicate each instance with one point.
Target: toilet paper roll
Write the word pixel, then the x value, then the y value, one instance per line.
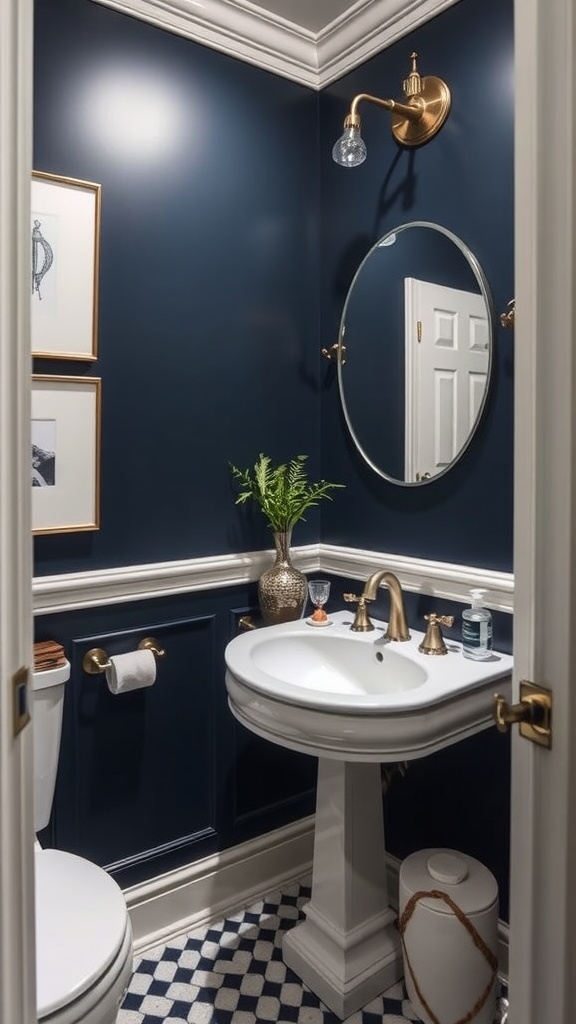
pixel 132 671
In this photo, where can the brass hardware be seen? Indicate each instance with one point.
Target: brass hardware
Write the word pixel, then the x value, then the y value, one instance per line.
pixel 20 710
pixel 419 331
pixel 533 713
pixel 149 643
pixel 507 319
pixel 397 624
pixel 96 660
pixel 433 642
pixel 362 623
pixel 246 622
pixel 421 117
pixel 336 350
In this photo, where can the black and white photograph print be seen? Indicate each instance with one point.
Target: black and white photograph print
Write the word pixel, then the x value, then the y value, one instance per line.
pixel 65 256
pixel 43 453
pixel 65 435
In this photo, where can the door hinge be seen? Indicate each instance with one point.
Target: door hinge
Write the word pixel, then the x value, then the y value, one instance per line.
pixel 533 713
pixel 419 331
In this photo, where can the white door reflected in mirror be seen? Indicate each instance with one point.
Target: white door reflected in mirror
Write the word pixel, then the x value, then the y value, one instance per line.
pixel 447 362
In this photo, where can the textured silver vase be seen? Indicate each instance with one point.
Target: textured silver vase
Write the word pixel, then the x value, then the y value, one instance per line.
pixel 282 589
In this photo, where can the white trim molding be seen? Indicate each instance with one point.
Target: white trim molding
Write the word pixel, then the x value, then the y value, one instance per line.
pixel 69 592
pixel 367 28
pixel 243 30
pixel 211 889
pixel 17 945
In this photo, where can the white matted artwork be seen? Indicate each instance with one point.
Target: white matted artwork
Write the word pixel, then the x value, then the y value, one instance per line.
pixel 65 266
pixel 65 454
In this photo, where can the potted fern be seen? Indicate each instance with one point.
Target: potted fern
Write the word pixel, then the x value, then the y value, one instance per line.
pixel 283 494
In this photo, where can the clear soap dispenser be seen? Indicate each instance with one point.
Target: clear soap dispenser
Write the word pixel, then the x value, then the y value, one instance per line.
pixel 476 629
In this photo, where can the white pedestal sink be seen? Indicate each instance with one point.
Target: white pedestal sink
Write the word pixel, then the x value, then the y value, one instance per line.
pixel 353 701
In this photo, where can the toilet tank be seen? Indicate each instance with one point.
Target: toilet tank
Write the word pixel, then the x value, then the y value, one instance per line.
pixel 47 705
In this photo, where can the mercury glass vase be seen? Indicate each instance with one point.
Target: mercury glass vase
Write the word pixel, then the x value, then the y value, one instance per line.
pixel 282 589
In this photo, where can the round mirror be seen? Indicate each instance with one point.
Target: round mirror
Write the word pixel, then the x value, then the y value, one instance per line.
pixel 415 352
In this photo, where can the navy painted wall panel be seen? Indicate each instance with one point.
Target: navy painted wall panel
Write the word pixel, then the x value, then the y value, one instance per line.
pixel 209 351
pixel 154 779
pixel 208 284
pixel 462 179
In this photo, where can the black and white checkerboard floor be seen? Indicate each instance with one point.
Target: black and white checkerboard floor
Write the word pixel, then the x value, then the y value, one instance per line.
pixel 232 972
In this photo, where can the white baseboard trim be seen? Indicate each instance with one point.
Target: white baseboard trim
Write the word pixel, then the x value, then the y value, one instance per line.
pixel 212 888
pixel 67 592
pixel 191 897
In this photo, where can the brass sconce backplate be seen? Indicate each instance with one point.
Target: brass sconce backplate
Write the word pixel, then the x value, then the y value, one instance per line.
pixel 434 99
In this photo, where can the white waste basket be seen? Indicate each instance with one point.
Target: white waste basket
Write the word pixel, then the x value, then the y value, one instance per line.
pixel 449 930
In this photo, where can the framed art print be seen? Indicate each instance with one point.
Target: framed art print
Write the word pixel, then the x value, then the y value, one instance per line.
pixel 65 233
pixel 65 454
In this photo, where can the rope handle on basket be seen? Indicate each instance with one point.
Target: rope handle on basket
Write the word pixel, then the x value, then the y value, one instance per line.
pixel 474 935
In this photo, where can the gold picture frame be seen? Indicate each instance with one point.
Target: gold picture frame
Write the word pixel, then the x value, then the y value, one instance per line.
pixel 65 227
pixel 65 454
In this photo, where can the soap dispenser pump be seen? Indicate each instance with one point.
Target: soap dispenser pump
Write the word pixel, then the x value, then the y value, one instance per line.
pixel 476 628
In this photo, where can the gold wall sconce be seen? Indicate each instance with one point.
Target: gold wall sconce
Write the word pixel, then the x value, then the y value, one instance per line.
pixel 414 122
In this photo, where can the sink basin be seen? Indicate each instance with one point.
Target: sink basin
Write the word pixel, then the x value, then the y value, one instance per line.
pixel 349 672
pixel 331 692
pixel 353 699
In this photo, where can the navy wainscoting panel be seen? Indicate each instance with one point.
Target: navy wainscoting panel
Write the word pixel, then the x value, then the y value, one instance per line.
pixel 208 278
pixel 157 778
pixel 128 746
pixel 463 180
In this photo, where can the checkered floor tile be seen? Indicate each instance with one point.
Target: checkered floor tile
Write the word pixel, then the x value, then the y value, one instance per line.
pixel 233 973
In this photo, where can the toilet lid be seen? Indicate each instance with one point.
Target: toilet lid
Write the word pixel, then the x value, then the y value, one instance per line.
pixel 81 921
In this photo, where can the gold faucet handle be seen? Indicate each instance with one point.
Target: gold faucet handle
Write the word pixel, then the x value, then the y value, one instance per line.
pixel 361 622
pixel 433 642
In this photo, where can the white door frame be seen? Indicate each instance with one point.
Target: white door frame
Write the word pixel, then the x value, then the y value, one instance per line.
pixel 543 875
pixel 17 961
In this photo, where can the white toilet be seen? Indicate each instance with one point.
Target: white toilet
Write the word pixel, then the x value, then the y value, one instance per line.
pixel 83 932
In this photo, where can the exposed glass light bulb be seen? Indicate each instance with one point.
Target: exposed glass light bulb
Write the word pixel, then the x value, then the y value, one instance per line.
pixel 349 150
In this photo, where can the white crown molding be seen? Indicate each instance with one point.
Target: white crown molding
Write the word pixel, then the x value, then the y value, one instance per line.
pixel 249 33
pixel 237 28
pixel 69 592
pixel 367 28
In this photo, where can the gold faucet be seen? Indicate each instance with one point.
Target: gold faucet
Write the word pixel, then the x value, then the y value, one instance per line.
pixel 397 624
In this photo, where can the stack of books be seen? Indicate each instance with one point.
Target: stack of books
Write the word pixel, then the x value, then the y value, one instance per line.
pixel 48 654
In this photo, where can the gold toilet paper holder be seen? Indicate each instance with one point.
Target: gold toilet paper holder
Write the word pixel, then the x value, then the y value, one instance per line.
pixel 96 660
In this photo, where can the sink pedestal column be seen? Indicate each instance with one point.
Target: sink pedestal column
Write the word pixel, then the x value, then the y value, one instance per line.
pixel 348 949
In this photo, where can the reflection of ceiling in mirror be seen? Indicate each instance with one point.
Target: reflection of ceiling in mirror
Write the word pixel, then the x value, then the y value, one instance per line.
pixel 393 390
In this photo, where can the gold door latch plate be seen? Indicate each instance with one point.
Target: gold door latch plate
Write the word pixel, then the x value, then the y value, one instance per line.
pixel 20 712
pixel 533 713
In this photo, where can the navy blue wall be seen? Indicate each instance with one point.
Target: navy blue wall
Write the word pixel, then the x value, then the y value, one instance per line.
pixel 209 350
pixel 462 179
pixel 209 285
